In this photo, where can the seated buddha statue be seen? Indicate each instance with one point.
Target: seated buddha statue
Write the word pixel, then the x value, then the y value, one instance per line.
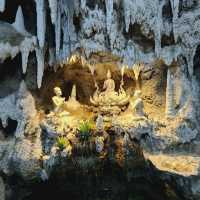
pixel 109 102
pixel 109 85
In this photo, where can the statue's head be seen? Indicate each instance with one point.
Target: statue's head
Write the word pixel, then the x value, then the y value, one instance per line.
pixel 57 91
pixel 108 74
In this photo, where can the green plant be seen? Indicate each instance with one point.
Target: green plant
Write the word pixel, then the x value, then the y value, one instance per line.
pixel 84 130
pixel 62 143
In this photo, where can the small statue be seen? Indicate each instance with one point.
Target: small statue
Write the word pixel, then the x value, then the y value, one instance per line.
pixel 109 84
pixel 58 100
pixel 99 123
pixel 99 141
pixel 109 102
pixel 138 105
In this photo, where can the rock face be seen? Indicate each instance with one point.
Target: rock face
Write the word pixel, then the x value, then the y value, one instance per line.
pixel 75 42
pixel 141 30
pixel 2 189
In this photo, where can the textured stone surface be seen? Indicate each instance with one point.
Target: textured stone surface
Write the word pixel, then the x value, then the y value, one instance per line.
pixel 164 35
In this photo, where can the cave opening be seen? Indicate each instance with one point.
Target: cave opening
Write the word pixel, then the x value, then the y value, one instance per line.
pixel 197 63
pixel 67 88
pixel 167 40
pixel 167 12
pixel 92 4
pixel 111 184
pixel 9 130
pixel 10 75
pixel 146 42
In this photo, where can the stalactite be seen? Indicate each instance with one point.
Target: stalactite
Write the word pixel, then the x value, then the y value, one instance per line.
pixel 169 95
pixel 40 66
pixel 109 13
pixel 127 13
pixel 53 6
pixel 2 5
pixel 66 44
pixel 26 47
pixel 52 58
pixel 41 21
pixel 19 22
pixel 58 33
pixel 83 4
pixel 175 11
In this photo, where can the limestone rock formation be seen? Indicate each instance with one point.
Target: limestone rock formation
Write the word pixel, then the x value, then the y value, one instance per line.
pixel 148 45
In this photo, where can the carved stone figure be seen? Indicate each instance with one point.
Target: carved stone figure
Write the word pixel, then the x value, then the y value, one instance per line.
pixel 138 105
pixel 99 123
pixel 109 84
pixel 99 141
pixel 58 100
pixel 109 102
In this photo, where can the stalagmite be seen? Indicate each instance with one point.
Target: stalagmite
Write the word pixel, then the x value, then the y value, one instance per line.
pixel 2 5
pixel 40 66
pixel 19 22
pixel 169 110
pixel 52 59
pixel 53 6
pixel 41 21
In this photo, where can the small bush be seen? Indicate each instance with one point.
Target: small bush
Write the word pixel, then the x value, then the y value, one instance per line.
pixel 62 143
pixel 84 131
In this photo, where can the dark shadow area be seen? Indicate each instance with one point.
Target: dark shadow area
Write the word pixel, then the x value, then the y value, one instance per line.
pixel 92 4
pixel 167 40
pixel 147 44
pixel 167 11
pixel 10 75
pixel 197 63
pixel 10 129
pixel 111 184
pixel 185 6
pixel 28 9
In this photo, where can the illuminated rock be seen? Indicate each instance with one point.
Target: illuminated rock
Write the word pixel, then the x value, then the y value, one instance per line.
pixel 170 95
pixel 138 105
pixel 72 104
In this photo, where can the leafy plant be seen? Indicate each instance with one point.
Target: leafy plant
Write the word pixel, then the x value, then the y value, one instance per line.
pixel 62 143
pixel 84 131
